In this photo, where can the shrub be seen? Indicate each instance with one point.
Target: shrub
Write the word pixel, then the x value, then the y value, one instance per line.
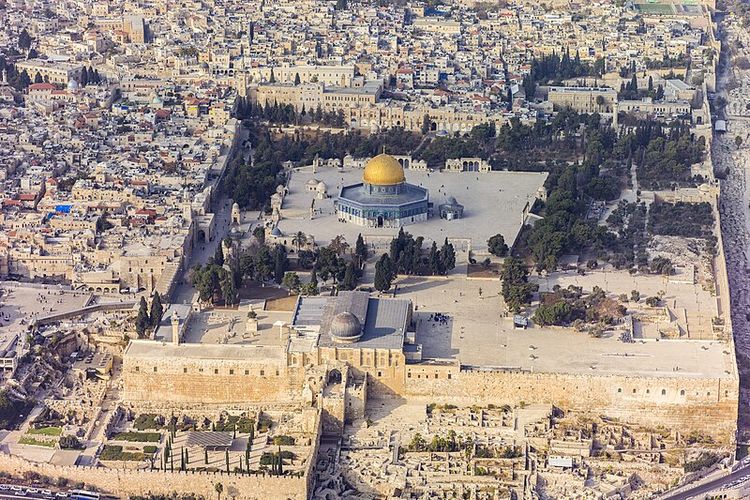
pixel 283 440
pixel 70 442
pixel 148 437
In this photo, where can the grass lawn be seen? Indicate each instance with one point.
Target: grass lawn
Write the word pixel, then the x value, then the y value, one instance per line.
pixel 114 452
pixel 141 437
pixel 36 442
pixel 46 431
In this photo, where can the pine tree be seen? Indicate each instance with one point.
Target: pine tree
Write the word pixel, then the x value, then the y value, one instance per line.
pixel 157 310
pixel 142 320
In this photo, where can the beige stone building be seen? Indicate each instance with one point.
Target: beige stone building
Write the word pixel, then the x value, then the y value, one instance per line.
pixel 584 99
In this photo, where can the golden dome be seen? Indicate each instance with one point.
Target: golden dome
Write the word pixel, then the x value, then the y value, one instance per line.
pixel 384 170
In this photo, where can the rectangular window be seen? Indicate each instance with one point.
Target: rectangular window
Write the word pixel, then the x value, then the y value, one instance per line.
pixel 262 373
pixel 216 371
pixel 184 370
pixel 137 369
pixel 231 372
pixel 154 369
pixel 247 372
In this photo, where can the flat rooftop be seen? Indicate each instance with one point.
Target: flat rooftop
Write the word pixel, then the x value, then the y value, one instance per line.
pixel 383 320
pixel 493 203
pixel 478 333
pixel 229 326
pixel 145 349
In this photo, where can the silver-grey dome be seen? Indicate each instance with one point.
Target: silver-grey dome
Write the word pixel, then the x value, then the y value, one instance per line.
pixel 345 327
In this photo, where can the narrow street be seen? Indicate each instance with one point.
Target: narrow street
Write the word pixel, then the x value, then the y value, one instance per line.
pixel 184 292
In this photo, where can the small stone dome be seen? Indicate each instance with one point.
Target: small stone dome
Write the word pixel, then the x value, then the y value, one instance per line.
pixel 321 187
pixel 276 232
pixel 345 327
pixel 72 84
pixel 312 182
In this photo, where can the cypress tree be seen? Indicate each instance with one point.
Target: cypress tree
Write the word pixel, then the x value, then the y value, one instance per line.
pixel 157 310
pixel 383 273
pixel 219 255
pixel 360 249
pixel 433 261
pixel 448 257
pixel 314 279
pixel 142 320
pixel 350 281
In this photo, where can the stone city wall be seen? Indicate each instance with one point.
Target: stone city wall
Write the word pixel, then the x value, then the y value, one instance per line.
pixel 705 405
pixel 144 482
pixel 210 381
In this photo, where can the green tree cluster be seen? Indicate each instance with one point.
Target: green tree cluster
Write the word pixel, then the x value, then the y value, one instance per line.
pixel 516 289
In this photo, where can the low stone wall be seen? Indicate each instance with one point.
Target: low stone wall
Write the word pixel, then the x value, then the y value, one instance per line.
pixel 144 482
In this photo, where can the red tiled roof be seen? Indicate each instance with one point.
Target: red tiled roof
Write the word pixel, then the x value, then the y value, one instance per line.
pixel 41 86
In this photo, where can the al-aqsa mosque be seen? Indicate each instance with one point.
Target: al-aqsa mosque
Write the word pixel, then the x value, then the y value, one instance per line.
pixel 383 198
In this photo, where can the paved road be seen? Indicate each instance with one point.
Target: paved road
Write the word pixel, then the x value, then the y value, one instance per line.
pixel 698 491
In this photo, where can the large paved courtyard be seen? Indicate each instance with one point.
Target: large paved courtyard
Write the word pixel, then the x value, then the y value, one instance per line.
pixel 493 203
pixel 478 333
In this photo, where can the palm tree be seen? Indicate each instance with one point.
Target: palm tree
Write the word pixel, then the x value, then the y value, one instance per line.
pixel 339 245
pixel 219 489
pixel 299 239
